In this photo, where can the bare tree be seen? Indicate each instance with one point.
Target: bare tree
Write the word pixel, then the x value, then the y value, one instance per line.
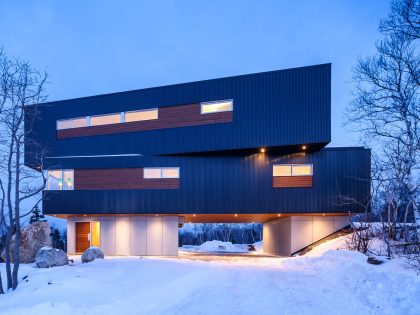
pixel 386 105
pixel 22 87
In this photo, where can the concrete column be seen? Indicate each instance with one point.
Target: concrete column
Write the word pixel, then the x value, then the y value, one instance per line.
pixel 108 235
pixel 290 234
pixel 138 236
pixel 170 236
pixel 122 236
pixel 71 237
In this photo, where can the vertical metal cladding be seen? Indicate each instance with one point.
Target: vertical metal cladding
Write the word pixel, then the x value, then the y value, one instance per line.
pixel 230 184
pixel 279 110
pixel 272 109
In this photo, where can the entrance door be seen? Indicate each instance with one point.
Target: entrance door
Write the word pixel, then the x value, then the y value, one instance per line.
pixel 82 236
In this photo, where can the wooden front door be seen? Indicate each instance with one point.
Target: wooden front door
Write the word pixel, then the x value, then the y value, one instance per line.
pixel 82 236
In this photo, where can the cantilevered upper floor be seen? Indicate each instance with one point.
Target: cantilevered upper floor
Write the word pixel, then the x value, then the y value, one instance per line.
pixel 280 110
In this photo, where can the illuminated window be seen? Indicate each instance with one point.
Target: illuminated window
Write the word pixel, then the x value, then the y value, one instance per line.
pixel 140 115
pixel 72 123
pixel 60 180
pixel 293 170
pixel 170 172
pixel 217 106
pixel 302 170
pixel 105 119
pixel 282 170
pixel 160 172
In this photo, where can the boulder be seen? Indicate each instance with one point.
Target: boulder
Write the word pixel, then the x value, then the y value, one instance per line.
pixel 92 253
pixel 32 238
pixel 48 257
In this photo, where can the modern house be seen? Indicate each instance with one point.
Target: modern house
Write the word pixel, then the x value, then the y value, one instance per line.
pixel 127 169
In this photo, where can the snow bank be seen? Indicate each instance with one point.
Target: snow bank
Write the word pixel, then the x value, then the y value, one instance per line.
pixel 325 281
pixel 217 246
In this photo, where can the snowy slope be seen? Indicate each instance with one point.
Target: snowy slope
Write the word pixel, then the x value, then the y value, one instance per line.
pixel 328 281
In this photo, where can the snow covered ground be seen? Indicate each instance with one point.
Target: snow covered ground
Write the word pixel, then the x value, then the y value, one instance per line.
pixel 324 281
pixel 216 246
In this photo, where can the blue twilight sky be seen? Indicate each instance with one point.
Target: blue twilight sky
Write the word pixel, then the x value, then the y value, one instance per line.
pixel 95 47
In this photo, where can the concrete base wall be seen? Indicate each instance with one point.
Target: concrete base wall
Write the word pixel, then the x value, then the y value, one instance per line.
pixel 135 236
pixel 290 234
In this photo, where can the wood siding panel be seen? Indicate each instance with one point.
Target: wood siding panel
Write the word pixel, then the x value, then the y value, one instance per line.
pixel 292 181
pixel 82 236
pixel 169 117
pixel 119 178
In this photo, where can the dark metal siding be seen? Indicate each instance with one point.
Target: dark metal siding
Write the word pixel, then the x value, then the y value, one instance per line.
pixel 272 109
pixel 225 185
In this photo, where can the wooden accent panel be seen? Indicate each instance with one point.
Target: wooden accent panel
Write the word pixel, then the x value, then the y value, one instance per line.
pixel 292 181
pixel 119 178
pixel 169 117
pixel 82 236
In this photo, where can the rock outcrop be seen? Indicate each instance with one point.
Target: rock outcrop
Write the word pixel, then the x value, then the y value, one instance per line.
pixel 32 238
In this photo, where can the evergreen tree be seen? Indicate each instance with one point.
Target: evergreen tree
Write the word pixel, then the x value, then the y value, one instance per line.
pixel 37 216
pixel 56 239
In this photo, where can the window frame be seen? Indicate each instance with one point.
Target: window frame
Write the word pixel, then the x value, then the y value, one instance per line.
pixel 86 118
pixel 103 115
pixel 291 170
pixel 161 172
pixel 139 111
pixel 202 104
pixel 61 180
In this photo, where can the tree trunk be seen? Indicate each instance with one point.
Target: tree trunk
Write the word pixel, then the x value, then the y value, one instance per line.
pixel 417 218
pixel 16 259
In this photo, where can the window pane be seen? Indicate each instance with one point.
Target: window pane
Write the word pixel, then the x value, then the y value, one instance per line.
pixel 141 115
pixel 68 180
pixel 64 124
pixel 152 173
pixel 214 107
pixel 71 123
pixel 79 122
pixel 170 172
pixel 54 181
pixel 301 170
pixel 105 119
pixel 282 170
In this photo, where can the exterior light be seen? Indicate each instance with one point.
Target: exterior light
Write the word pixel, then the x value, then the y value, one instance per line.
pixel 262 150
pixel 236 215
pixel 156 215
pixel 279 215
pixel 194 215
pixel 323 214
pixel 84 215
pixel 304 147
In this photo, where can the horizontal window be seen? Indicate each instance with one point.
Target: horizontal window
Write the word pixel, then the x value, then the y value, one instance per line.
pixel 292 170
pixel 160 172
pixel 60 180
pixel 72 123
pixel 105 119
pixel 217 106
pixel 140 115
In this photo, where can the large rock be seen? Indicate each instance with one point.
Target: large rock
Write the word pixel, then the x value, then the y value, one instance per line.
pixel 32 238
pixel 92 253
pixel 48 257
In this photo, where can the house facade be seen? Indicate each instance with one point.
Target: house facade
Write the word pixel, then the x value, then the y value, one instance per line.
pixel 127 169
